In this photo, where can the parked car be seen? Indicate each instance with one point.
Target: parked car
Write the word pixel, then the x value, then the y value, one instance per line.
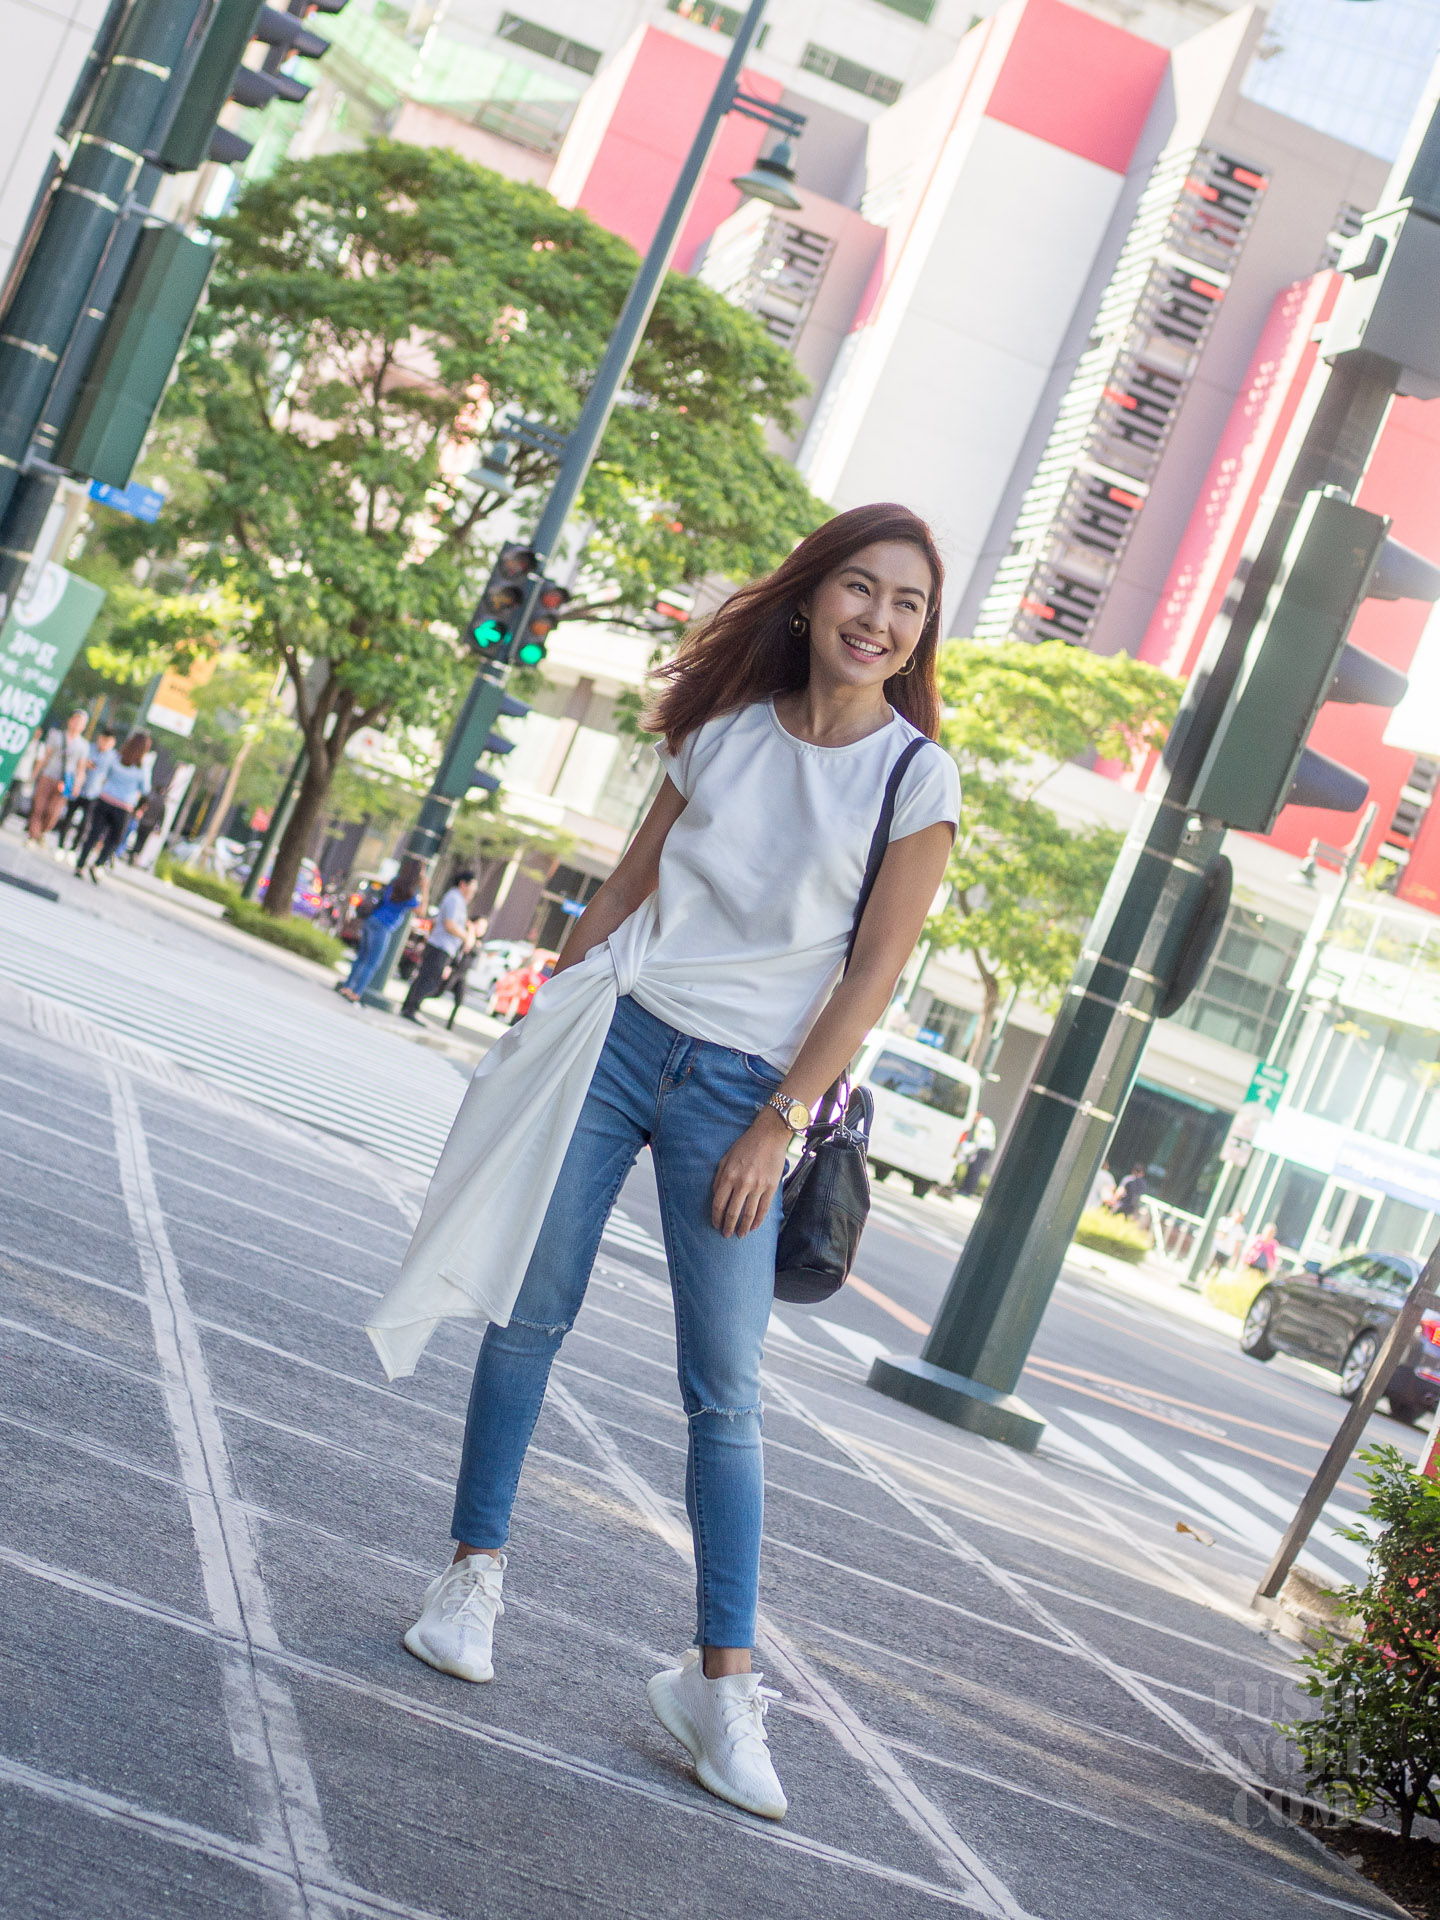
pixel 1337 1317
pixel 513 992
pixel 309 897
pixel 491 960
pixel 925 1103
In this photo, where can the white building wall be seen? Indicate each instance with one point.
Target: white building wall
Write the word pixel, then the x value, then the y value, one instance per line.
pixel 45 44
pixel 930 404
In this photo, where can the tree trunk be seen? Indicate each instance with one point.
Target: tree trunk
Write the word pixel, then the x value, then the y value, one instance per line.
pixel 314 785
pixel 990 984
pixel 223 803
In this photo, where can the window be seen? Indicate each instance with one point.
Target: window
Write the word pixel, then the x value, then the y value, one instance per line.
pixel 951 1029
pixel 1241 995
pixel 563 895
pixel 918 1080
pixel 849 73
pixel 920 10
pixel 705 13
pixel 543 40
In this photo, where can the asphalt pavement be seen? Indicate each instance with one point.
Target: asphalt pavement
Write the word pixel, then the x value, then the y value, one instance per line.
pixel 1009 1685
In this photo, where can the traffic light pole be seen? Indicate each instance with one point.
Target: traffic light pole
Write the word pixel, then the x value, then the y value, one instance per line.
pixel 580 448
pixel 131 103
pixel 970 1365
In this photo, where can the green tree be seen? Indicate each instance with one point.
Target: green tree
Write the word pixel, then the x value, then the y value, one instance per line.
pixel 369 315
pixel 1023 886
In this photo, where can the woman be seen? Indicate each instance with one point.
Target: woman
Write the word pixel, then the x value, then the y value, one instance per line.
pixel 405 894
pixel 124 786
pixel 693 1010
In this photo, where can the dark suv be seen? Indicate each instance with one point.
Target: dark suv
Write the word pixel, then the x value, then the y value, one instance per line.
pixel 1337 1316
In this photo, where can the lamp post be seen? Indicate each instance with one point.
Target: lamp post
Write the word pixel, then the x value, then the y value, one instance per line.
pixel 771 178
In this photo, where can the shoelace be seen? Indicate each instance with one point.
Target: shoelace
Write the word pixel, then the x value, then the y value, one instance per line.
pixel 475 1598
pixel 745 1718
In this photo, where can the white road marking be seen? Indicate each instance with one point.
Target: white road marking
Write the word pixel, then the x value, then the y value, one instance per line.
pixel 865 1349
pixel 264 1726
pixel 985 1891
pixel 1274 1503
pixel 1238 1521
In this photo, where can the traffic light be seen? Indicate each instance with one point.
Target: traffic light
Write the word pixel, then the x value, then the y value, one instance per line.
pixel 1297 659
pixel 475 737
pixel 217 74
pixel 538 621
pixel 498 611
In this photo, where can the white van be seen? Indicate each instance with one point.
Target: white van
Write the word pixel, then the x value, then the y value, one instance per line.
pixel 925 1103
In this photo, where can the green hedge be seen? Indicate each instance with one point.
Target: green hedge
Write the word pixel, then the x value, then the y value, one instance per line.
pixel 295 935
pixel 1110 1233
pixel 207 885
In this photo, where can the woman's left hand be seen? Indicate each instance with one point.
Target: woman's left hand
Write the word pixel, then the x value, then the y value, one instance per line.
pixel 746 1179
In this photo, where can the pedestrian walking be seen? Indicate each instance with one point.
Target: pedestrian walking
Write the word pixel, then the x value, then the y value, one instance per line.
pixel 1262 1256
pixel 121 791
pixel 978 1153
pixel 1229 1238
pixel 404 894
pixel 149 818
pixel 1128 1196
pixel 450 936
pixel 702 1006
pixel 60 772
pixel 76 817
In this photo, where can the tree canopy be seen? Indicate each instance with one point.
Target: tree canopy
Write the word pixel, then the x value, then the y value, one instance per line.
pixel 370 315
pixel 1023 885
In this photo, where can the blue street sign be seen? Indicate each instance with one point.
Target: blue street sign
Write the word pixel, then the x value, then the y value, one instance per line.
pixel 141 503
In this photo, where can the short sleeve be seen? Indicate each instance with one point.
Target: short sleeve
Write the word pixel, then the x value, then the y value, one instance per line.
pixel 929 793
pixel 681 766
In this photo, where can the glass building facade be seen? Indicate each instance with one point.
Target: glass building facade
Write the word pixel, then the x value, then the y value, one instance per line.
pixel 1353 68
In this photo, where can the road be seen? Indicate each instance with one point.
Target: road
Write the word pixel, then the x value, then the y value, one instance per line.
pixel 1134 1395
pixel 1008 1687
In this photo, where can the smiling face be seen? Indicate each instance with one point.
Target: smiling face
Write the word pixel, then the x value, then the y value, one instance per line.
pixel 866 617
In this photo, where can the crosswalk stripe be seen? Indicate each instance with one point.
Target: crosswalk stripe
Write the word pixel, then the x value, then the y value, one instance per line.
pixel 290 1050
pixel 865 1349
pixel 1239 1481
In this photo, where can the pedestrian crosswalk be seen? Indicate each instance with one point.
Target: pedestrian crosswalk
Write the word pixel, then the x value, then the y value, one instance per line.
pixel 622 1231
pixel 1222 1495
pixel 275 1038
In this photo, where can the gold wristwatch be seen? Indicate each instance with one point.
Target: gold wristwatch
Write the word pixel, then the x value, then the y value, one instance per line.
pixel 794 1113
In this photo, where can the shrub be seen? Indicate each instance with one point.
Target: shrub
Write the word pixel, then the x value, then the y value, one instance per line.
pixel 295 935
pixel 1112 1233
pixel 208 885
pixel 1376 1740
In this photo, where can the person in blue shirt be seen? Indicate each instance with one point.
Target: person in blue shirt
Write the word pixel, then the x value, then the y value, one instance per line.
pixel 78 809
pixel 405 894
pixel 123 788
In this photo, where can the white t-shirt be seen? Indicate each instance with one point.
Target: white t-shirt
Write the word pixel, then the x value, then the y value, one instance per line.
pixel 760 875
pixel 452 907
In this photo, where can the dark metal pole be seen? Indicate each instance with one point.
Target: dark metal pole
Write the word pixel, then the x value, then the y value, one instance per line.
pixel 580 447
pixel 279 819
pixel 131 101
pixel 971 1363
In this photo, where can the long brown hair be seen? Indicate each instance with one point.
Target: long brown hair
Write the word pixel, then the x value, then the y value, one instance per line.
pixel 135 749
pixel 746 651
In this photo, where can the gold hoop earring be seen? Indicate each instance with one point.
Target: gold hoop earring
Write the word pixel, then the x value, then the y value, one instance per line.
pixel 909 667
pixel 798 626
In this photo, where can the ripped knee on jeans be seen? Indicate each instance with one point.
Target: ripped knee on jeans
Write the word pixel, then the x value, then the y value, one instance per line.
pixel 724 1413
pixel 559 1329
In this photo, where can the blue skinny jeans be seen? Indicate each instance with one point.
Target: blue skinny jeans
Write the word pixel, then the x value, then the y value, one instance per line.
pixel 369 954
pixel 690 1100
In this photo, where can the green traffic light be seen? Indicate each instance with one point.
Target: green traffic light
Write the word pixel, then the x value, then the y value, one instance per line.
pixel 489 633
pixel 532 652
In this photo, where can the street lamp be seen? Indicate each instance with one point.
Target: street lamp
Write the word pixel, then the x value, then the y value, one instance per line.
pixel 769 179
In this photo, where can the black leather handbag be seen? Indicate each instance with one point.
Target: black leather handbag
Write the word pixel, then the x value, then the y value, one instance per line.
pixel 826 1195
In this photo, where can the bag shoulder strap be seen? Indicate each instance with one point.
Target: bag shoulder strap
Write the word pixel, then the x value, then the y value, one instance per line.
pixel 880 839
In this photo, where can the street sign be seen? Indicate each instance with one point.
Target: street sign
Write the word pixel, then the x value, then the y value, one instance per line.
pixel 141 503
pixel 1266 1086
pixel 37 645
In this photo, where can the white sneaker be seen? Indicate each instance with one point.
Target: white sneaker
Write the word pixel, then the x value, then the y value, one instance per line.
pixel 457 1622
pixel 721 1724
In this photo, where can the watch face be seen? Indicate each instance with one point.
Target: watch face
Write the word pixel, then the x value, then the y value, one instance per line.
pixel 798 1116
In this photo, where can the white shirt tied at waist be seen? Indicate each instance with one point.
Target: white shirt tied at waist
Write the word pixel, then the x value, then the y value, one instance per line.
pixel 487 1199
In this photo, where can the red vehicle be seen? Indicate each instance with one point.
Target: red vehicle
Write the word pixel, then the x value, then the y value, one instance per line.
pixel 512 993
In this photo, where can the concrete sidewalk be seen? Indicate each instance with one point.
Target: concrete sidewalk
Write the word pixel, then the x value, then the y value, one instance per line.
pixel 1006 1688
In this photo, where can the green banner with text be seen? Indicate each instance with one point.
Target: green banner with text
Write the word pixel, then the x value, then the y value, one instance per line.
pixel 38 644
